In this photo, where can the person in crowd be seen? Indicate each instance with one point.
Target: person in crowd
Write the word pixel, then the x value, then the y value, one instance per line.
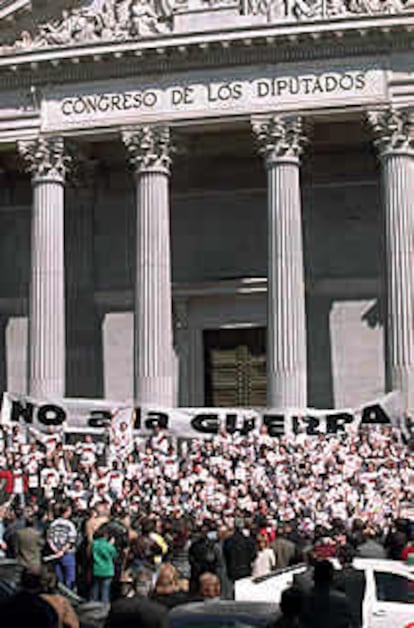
pixel 28 544
pixel 352 582
pixel 167 590
pixel 104 554
pixel 291 607
pixel 61 538
pixel 204 557
pixel 136 610
pixel 371 547
pixel 396 539
pixel 117 528
pixel 284 549
pixel 324 606
pixel 178 548
pixel 48 591
pixel 209 586
pixel 407 553
pixel 265 560
pixel 239 552
pixel 3 544
pixel 225 584
pixel 15 520
pixel 27 607
pixel 304 581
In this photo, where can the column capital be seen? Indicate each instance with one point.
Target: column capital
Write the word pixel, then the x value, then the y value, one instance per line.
pixel 45 158
pixel 149 148
pixel 392 131
pixel 278 137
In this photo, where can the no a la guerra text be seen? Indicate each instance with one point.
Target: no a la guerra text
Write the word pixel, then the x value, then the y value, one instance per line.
pixel 215 93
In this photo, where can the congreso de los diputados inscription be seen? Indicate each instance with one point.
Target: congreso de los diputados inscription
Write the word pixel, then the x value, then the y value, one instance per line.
pixel 207 202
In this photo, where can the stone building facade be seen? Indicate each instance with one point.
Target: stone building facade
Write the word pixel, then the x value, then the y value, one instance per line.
pixel 207 202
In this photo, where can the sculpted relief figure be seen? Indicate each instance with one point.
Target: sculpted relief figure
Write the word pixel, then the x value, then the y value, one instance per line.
pixel 146 20
pixel 119 20
pixel 103 20
pixel 299 10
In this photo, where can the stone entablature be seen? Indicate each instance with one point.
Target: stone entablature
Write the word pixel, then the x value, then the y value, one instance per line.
pixel 240 92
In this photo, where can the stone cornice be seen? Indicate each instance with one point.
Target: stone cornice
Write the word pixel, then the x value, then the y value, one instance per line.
pixel 120 60
pixel 298 40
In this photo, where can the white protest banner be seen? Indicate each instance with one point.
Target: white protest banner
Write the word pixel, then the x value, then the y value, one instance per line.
pixel 122 419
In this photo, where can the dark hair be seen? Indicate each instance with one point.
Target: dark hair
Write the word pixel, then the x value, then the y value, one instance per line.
pixel 31 580
pixel 102 532
pixel 345 554
pixel 291 602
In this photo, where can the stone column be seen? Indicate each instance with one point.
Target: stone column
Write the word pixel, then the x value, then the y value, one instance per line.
pixel 280 141
pixel 149 152
pixel 395 146
pixel 47 163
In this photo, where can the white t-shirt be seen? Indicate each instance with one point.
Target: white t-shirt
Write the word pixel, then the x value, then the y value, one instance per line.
pixel 264 562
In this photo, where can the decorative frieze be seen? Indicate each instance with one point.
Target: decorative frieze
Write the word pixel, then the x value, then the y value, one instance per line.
pixel 149 148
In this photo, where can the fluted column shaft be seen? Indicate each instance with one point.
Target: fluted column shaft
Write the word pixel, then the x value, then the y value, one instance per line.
pixel 396 151
pixel 149 149
pixel 280 142
pixel 47 164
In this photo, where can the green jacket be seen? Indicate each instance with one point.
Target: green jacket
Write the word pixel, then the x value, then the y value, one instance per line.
pixel 103 553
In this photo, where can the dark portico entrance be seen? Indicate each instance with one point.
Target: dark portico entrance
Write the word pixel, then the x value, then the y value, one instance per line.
pixel 235 367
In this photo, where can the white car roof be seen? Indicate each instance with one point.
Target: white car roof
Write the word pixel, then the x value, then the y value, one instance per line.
pixel 383 564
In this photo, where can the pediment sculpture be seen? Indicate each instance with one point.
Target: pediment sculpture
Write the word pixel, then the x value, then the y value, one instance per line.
pixel 117 20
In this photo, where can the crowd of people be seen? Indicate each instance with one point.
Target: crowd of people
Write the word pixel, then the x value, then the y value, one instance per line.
pixel 179 520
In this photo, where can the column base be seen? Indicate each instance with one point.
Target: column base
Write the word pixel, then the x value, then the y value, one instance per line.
pixel 47 389
pixel 155 391
pixel 402 379
pixel 287 389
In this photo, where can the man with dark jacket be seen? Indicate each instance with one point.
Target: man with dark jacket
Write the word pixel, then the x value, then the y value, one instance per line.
pixel 239 552
pixel 203 556
pixel 351 581
pixel 324 606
